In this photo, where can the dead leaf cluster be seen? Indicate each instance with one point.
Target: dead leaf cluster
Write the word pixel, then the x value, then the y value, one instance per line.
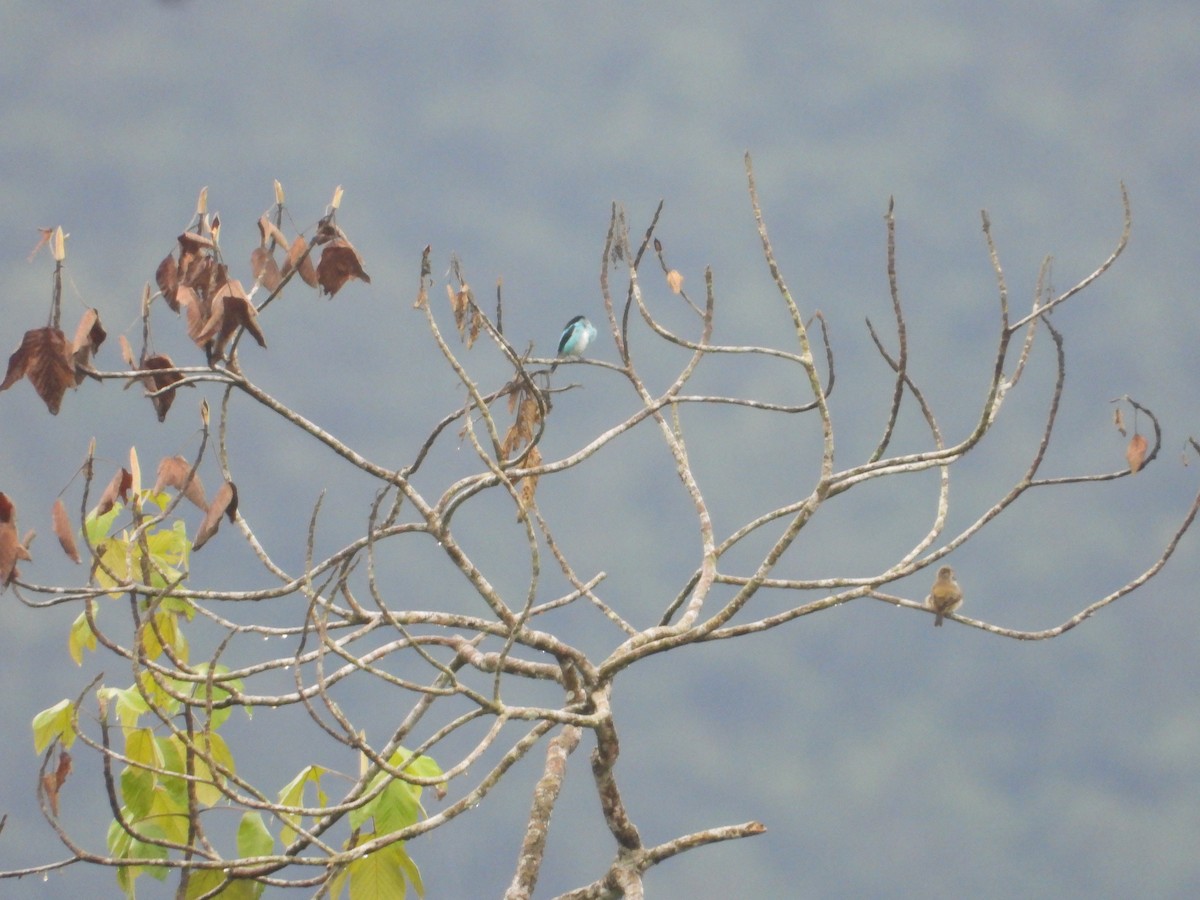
pixel 339 261
pixel 530 412
pixel 52 363
pixel 198 284
pixel 468 318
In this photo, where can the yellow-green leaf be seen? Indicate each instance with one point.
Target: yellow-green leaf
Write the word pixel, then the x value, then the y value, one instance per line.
pixel 292 794
pixel 253 838
pixel 82 637
pixel 54 724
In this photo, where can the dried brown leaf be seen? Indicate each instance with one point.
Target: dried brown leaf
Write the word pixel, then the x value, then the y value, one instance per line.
pixel 265 269
pixel 675 281
pixel 1135 453
pixel 269 231
pixel 44 357
pixel 461 302
pixel 204 274
pixel 46 234
pixel 529 483
pixel 118 487
pixel 88 337
pixel 339 263
pixel 173 472
pixel 126 351
pixel 190 242
pixel 167 279
pixel 476 326
pixel 11 548
pixel 52 782
pixel 223 504
pixel 1119 420
pixel 63 530
pixel 296 257
pixel 422 295
pixel 8 512
pixel 231 309
pixel 197 312
pixel 158 380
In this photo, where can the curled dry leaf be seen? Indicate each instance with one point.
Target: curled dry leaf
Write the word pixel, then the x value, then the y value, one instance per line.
pixel 158 384
pixel 195 308
pixel 476 326
pixel 231 309
pixel 11 548
pixel 63 530
pixel 223 504
pixel 118 487
pixel 265 269
pixel 426 267
pixel 167 279
pixel 462 302
pixel 52 782
pixel 88 337
pixel 126 351
pixel 45 358
pixel 339 263
pixel 675 281
pixel 1119 420
pixel 206 275
pixel 268 231
pixel 46 234
pixel 1135 453
pixel 529 483
pixel 296 256
pixel 173 472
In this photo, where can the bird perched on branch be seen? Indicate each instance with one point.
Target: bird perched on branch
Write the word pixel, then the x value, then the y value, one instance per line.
pixel 945 596
pixel 576 337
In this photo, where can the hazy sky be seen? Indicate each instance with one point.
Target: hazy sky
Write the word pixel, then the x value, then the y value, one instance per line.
pixel 886 759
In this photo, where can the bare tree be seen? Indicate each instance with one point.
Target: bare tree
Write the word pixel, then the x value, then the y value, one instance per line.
pixel 470 692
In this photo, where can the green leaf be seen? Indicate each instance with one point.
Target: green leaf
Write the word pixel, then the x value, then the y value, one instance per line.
pixel 209 747
pixel 122 846
pixel 141 747
pixel 152 693
pixel 199 690
pixel 169 547
pixel 204 880
pixel 138 784
pixel 253 838
pixel 97 528
pixel 377 876
pixel 115 554
pixel 180 605
pixel 399 805
pixel 292 794
pixel 137 790
pixel 129 704
pixel 82 637
pixel 54 724
pixel 162 629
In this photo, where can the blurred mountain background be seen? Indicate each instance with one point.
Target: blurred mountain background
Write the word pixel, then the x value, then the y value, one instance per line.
pixel 885 758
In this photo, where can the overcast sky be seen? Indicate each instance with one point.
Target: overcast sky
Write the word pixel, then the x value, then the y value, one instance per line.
pixel 886 759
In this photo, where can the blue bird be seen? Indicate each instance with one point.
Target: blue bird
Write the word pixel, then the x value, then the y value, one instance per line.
pixel 576 337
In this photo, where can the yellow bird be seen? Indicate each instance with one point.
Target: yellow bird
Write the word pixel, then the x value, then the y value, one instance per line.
pixel 945 596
